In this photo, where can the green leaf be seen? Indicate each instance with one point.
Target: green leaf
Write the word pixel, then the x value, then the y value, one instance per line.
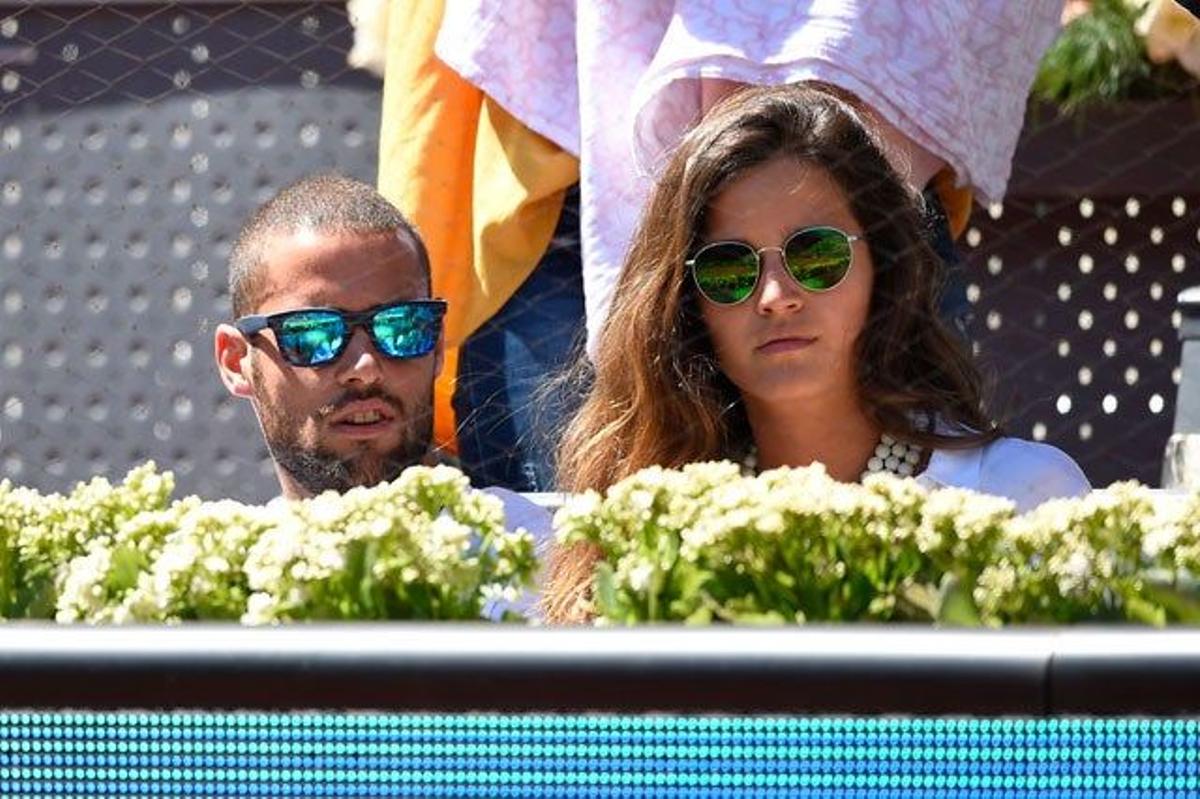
pixel 768 618
pixel 36 598
pixel 127 563
pixel 1176 602
pixel 8 581
pixel 687 591
pixel 1144 611
pixel 1099 58
pixel 956 608
pixel 370 596
pixel 605 596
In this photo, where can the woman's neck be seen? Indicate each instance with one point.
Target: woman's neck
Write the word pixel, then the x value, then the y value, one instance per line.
pixel 831 431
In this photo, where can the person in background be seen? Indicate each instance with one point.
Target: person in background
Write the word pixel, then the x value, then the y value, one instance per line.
pixel 493 112
pixel 618 84
pixel 337 341
pixel 497 203
pixel 777 307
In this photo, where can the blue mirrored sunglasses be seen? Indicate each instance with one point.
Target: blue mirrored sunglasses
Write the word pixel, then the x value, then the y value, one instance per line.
pixel 318 336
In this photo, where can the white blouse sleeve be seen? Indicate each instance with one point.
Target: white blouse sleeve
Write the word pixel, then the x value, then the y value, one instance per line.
pixel 1029 473
pixel 537 520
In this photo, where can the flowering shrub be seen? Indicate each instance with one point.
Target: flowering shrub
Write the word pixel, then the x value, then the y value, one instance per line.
pixel 39 534
pixel 792 545
pixel 699 544
pixel 422 547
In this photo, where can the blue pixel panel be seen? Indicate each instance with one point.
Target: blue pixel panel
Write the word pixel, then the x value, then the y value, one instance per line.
pixel 359 754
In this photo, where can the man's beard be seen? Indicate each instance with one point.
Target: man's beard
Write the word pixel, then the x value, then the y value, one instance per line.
pixel 318 469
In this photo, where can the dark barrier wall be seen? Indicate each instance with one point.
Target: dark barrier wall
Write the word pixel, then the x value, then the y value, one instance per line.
pixel 469 710
pixel 1075 279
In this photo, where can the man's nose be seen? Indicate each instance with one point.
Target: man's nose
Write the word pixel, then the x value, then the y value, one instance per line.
pixel 360 363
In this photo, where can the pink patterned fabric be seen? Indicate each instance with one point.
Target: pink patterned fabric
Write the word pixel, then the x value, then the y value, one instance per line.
pixel 617 82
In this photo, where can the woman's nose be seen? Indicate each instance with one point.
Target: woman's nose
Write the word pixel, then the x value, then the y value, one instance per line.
pixel 777 290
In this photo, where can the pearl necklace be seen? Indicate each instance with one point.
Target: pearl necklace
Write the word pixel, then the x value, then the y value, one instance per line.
pixel 889 455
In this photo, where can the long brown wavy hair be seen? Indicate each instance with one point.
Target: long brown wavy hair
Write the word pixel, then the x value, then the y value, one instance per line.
pixel 657 394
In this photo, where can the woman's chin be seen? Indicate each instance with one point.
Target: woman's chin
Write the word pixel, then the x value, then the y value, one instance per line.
pixel 792 391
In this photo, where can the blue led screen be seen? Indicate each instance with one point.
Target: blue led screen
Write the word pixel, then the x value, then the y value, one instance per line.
pixel 378 754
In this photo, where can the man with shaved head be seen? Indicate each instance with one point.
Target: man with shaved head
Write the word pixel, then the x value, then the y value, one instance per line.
pixel 336 344
pixel 337 341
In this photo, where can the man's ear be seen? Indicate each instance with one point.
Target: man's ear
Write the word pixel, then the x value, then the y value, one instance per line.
pixel 439 355
pixel 233 360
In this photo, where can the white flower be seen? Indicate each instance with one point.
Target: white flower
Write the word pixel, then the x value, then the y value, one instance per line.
pixel 639 576
pixel 260 609
pixel 447 536
pixel 1073 573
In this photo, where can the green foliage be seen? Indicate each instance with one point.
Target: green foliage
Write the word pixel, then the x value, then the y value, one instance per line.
pixel 39 534
pixel 698 545
pixel 422 547
pixel 706 544
pixel 1099 59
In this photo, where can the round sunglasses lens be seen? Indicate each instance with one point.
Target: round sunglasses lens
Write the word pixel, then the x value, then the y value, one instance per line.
pixel 726 273
pixel 818 258
pixel 312 338
pixel 407 331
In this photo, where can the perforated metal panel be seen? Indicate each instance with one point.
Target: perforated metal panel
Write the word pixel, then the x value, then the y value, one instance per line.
pixel 1075 277
pixel 135 141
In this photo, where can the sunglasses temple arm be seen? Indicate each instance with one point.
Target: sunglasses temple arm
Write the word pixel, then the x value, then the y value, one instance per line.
pixel 251 325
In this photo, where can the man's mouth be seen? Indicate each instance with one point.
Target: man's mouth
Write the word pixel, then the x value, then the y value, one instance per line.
pixel 364 418
pixel 367 417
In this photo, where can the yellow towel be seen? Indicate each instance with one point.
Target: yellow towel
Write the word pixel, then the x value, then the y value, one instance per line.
pixel 484 191
pixel 956 200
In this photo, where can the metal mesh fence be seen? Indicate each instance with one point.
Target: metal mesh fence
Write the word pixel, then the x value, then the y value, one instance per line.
pixel 137 136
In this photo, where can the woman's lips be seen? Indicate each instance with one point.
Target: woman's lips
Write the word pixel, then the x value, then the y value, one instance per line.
pixel 787 344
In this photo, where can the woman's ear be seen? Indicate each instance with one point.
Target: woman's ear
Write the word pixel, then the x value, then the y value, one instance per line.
pixel 233 360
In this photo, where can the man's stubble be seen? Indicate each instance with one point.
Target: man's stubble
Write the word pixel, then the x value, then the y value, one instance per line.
pixel 318 469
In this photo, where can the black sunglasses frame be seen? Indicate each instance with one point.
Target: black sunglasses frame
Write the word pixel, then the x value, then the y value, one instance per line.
pixel 254 324
pixel 782 250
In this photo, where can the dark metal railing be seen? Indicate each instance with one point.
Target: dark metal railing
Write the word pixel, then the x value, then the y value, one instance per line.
pixel 812 670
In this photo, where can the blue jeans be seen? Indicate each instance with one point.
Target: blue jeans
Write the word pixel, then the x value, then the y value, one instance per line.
pixel 506 426
pixel 954 307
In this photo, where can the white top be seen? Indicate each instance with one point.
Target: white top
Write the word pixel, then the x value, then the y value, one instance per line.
pixel 618 82
pixel 1023 471
pixel 535 514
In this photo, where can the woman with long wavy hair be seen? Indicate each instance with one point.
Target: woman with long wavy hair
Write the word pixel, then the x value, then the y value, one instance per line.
pixel 778 307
